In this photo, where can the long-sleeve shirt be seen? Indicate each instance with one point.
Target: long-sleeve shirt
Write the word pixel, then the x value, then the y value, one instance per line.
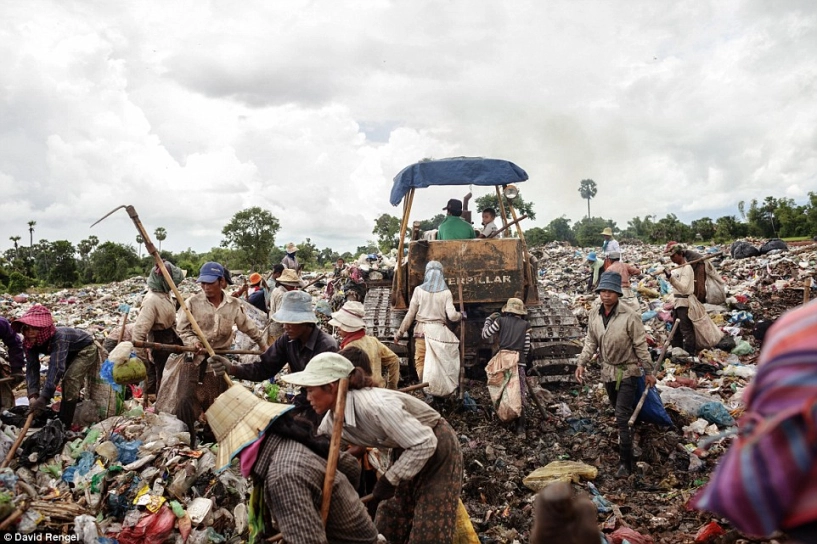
pixel 62 347
pixel 216 323
pixel 293 478
pixel 683 285
pixel 625 270
pixel 383 418
pixel 286 351
pixel 516 335
pixel 14 346
pixel 621 342
pixel 157 313
pixel 276 299
pixel 385 363
pixel 428 307
pixel 610 246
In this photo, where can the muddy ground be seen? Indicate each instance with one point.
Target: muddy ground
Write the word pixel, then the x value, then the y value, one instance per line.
pixel 653 501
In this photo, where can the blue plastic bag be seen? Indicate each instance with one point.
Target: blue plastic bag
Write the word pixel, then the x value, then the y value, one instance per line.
pixel 653 410
pixel 646 316
pixel 106 373
pixel 715 412
pixel 128 451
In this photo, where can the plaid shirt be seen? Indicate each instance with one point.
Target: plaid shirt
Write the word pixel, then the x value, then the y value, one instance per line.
pixel 293 484
pixel 383 418
pixel 65 344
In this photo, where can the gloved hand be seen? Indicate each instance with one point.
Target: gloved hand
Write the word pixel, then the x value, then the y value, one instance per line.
pixel 383 490
pixel 494 316
pixel 37 406
pixel 221 365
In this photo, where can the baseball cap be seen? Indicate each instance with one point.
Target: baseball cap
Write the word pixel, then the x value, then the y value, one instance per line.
pixel 210 272
pixel 324 368
pixel 454 206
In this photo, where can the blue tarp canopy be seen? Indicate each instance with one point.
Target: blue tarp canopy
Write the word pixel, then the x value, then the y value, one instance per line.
pixel 455 171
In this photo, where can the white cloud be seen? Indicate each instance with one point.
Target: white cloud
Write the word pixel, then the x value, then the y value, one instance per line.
pixel 192 112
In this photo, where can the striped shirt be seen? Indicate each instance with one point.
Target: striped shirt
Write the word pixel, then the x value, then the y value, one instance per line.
pixel 493 326
pixel 383 418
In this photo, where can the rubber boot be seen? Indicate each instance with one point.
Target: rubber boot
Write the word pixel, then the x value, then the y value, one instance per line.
pixel 521 424
pixel 625 465
pixel 67 409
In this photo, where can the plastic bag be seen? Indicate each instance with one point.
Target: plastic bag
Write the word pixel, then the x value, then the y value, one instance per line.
pixel 106 373
pixel 45 443
pixel 715 412
pixel 152 529
pixel 771 245
pixel 623 534
pixel 130 371
pixel 653 410
pixel 686 400
pixel 743 250
pixel 743 348
pixel 85 529
pixel 128 451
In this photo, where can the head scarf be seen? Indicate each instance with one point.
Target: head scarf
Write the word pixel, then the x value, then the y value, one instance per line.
pixel 37 316
pixel 434 281
pixel 156 282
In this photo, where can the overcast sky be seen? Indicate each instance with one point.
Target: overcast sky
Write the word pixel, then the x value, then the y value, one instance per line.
pixel 192 111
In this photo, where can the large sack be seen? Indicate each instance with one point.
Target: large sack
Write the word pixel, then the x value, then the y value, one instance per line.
pixel 242 341
pixel 743 250
pixel 442 361
pixel 771 245
pixel 715 286
pixel 707 334
pixel 503 384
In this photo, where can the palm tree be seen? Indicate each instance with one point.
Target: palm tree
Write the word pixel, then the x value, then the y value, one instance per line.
pixel 15 239
pixel 587 188
pixel 160 234
pixel 31 234
pixel 140 241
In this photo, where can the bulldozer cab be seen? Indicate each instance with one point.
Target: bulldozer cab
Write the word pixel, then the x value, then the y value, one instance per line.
pixel 490 270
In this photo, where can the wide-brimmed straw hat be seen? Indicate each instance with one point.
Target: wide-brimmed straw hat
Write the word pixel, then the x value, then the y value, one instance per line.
pixel 289 277
pixel 350 317
pixel 607 231
pixel 515 306
pixel 238 418
pixel 291 248
pixel 610 281
pixel 324 368
pixel 296 307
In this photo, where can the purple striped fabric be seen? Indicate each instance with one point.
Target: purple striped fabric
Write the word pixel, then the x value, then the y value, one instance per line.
pixel 767 480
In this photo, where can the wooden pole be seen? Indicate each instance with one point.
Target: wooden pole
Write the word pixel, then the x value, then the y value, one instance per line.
pixel 501 207
pixel 414 387
pixel 175 348
pixel 400 299
pixel 334 449
pixel 514 222
pixel 20 438
pixel 462 339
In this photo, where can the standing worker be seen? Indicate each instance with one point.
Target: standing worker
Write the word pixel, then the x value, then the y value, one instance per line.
pixel 618 335
pixel 216 312
pixel 514 344
pixel 698 269
pixel 290 260
pixel 72 356
pixel 625 270
pixel 385 365
pixel 417 496
pixel 682 280
pixel 14 347
pixel 431 303
pixel 454 227
pixel 610 244
pixel 156 322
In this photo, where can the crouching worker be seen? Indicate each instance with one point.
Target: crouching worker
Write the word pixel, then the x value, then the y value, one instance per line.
pixel 287 462
pixel 72 357
pixel 418 495
pixel 506 370
pixel 618 334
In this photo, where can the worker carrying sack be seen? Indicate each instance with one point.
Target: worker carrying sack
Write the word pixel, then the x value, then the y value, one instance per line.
pixel 503 384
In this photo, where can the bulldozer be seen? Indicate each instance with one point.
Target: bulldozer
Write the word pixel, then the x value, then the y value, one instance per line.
pixel 487 271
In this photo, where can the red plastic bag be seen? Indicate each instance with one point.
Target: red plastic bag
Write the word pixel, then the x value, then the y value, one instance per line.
pixel 708 532
pixel 633 537
pixel 152 529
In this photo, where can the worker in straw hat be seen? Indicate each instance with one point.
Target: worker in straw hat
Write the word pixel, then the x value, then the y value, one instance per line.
pixel 186 382
pixel 290 260
pixel 506 370
pixel 302 340
pixel 616 332
pixel 72 356
pixel 385 365
pixel 279 449
pixel 418 495
pixel 609 243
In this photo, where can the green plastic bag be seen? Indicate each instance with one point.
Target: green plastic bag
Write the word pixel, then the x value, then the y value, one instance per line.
pixel 131 371
pixel 743 348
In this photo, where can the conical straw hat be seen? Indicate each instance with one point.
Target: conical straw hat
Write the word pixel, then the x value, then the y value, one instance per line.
pixel 238 418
